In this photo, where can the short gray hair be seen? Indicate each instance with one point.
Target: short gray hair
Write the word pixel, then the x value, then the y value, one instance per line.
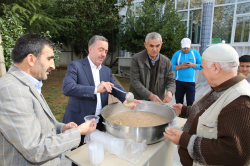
pixel 153 35
pixel 225 66
pixel 95 38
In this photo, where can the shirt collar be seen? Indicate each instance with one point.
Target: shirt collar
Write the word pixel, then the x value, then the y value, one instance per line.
pixel 156 59
pixel 38 84
pixel 93 66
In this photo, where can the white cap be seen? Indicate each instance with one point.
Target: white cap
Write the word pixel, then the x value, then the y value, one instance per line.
pixel 220 53
pixel 185 43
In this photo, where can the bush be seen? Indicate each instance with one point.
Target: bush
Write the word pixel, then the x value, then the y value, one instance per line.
pixel 154 16
pixel 11 30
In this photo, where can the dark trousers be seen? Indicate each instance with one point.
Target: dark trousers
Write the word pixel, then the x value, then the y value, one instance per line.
pixel 183 88
pixel 99 126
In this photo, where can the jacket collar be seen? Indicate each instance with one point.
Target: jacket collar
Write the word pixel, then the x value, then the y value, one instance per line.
pixel 144 59
pixel 27 82
pixel 88 71
pixel 229 83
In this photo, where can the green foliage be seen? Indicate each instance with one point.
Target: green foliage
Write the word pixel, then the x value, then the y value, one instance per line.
pixel 92 18
pixel 57 52
pixel 11 29
pixel 39 15
pixel 152 19
pixel 11 26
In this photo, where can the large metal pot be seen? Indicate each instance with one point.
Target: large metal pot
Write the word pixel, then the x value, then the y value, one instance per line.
pixel 150 134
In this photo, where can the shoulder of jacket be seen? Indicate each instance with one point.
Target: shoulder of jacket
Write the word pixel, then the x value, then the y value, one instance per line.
pixel 194 51
pixel 178 52
pixel 139 54
pixel 105 67
pixel 8 80
pixel 164 57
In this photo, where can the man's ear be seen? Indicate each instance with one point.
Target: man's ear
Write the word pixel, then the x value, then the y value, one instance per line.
pixel 216 68
pixel 90 48
pixel 145 44
pixel 31 60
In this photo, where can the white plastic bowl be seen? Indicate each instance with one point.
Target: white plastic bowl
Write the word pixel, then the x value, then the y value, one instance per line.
pixel 89 117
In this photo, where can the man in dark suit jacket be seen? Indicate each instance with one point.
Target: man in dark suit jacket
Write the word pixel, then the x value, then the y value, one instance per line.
pixel 88 84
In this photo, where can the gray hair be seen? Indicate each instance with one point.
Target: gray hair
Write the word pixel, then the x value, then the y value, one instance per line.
pixel 153 35
pixel 95 38
pixel 225 66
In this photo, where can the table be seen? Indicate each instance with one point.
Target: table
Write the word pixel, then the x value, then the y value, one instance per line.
pixel 160 154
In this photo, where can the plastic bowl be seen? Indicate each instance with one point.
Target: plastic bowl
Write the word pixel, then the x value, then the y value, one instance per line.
pixel 89 117
pixel 173 127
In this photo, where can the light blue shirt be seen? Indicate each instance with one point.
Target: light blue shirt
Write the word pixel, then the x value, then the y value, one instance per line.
pixel 38 84
pixel 153 61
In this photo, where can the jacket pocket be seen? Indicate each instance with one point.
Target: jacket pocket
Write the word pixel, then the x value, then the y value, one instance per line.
pixel 73 108
pixel 209 132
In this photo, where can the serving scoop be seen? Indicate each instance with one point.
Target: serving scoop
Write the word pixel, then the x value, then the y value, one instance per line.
pixel 129 95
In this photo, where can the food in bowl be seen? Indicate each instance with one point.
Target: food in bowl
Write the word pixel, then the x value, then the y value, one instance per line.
pixel 138 119
pixel 129 104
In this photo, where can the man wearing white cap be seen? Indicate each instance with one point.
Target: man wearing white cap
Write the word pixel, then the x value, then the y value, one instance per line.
pixel 185 62
pixel 217 130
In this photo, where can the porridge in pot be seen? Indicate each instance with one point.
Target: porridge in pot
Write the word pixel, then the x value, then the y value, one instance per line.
pixel 138 119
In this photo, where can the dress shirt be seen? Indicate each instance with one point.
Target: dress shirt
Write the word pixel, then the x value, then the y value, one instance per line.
pixel 96 75
pixel 38 84
pixel 153 61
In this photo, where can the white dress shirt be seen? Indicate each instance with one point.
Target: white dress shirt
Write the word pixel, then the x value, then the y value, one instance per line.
pixel 96 75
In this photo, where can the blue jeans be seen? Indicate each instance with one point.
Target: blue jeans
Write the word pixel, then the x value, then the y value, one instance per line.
pixel 183 88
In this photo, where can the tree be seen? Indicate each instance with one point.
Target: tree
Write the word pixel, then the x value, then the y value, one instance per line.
pixel 93 17
pixel 11 27
pixel 39 15
pixel 154 16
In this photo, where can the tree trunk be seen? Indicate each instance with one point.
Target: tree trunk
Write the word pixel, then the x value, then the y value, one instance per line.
pixel 2 64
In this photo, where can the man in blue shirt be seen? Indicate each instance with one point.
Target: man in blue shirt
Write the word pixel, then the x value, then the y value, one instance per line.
pixel 185 62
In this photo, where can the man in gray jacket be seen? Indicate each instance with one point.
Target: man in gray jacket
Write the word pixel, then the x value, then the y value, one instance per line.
pixel 151 72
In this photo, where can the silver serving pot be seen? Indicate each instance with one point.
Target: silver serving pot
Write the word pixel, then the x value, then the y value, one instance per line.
pixel 150 134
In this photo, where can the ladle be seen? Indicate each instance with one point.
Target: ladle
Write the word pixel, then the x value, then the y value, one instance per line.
pixel 129 95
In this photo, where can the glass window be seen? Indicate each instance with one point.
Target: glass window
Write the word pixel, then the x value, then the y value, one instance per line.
pixel 182 4
pixel 243 8
pixel 242 0
pixel 242 29
pixel 194 26
pixel 138 7
pixel 195 3
pixel 184 15
pixel 222 23
pixel 218 2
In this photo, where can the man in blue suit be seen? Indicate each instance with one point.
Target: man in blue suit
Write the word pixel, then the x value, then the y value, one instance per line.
pixel 88 84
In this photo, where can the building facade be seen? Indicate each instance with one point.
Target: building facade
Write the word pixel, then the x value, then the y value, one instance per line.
pixel 211 21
